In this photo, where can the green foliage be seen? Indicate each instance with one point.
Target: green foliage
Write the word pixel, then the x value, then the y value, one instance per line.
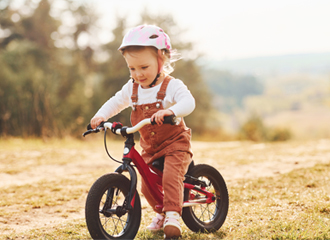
pixel 279 134
pixel 255 130
pixel 25 103
pixel 43 85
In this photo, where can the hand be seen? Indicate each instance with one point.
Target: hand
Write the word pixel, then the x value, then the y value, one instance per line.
pixel 115 126
pixel 158 117
pixel 96 121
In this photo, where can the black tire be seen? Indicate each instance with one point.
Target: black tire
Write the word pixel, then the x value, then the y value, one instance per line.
pixel 111 225
pixel 206 217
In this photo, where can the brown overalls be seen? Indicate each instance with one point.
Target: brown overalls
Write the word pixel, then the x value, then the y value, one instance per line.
pixel 170 141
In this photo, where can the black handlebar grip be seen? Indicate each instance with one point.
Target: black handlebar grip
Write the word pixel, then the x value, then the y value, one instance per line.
pixel 170 120
pixel 167 120
pixel 89 127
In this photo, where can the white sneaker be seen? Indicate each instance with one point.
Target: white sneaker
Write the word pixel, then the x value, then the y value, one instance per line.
pixel 157 223
pixel 172 228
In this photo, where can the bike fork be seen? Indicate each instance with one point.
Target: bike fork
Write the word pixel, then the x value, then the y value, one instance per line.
pixel 126 167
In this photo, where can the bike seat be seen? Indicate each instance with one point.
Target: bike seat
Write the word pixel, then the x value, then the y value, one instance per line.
pixel 159 164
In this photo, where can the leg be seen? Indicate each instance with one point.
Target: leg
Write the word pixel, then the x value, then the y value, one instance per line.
pixel 175 167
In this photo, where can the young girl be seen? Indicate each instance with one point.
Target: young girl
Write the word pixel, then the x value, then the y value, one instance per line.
pixel 152 93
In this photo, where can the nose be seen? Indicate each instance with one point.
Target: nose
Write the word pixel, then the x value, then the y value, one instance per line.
pixel 139 74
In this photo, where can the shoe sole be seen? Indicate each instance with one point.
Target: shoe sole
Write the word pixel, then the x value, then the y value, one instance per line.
pixel 171 232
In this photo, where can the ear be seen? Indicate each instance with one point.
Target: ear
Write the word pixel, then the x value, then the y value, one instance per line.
pixel 160 59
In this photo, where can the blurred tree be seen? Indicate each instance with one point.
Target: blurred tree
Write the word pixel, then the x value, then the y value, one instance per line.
pixel 76 66
pixel 43 82
pixel 255 130
pixel 26 106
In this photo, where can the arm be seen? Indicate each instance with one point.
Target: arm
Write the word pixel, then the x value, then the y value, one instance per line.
pixel 184 102
pixel 183 99
pixel 113 106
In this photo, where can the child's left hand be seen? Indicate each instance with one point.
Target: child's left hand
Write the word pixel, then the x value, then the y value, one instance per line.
pixel 158 117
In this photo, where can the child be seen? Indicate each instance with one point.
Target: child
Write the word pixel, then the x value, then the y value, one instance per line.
pixel 152 93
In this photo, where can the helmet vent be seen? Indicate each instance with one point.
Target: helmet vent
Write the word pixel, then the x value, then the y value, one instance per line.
pixel 153 36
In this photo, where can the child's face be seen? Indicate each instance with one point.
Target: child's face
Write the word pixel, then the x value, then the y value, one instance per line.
pixel 143 66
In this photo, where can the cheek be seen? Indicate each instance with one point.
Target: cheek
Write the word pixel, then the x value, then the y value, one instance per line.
pixel 148 73
pixel 152 71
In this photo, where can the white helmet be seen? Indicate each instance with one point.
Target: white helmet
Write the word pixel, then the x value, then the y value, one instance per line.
pixel 146 35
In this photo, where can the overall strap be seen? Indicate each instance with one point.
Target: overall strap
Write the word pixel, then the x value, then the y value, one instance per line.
pixel 162 91
pixel 134 96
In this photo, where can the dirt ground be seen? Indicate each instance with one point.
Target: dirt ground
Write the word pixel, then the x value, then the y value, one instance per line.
pixel 235 160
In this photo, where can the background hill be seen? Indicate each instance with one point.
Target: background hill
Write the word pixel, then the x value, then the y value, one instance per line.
pixel 291 91
pixel 310 63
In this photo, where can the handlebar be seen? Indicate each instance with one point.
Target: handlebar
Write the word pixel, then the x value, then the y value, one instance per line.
pixel 124 131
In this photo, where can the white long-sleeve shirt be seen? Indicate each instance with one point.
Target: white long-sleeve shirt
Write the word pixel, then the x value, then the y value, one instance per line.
pixel 178 99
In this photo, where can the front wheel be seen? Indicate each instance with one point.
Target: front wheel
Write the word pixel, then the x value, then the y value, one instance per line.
pixel 105 211
pixel 206 217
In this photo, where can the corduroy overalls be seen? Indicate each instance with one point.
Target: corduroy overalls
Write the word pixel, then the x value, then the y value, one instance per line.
pixel 170 141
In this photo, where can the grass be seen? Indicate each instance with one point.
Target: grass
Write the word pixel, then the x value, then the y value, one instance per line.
pixel 294 205
pixel 291 206
pixel 75 229
pixel 44 193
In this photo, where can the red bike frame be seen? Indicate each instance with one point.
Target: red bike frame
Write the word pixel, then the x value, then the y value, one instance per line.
pixel 153 178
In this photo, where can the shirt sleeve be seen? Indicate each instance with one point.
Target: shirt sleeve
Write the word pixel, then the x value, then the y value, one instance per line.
pixel 182 97
pixel 117 103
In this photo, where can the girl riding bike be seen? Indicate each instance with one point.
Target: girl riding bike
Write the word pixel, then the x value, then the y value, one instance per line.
pixel 153 93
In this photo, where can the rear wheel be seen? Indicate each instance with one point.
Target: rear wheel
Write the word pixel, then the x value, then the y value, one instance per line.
pixel 206 217
pixel 105 211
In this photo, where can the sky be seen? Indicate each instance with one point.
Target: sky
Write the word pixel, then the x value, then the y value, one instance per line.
pixel 226 30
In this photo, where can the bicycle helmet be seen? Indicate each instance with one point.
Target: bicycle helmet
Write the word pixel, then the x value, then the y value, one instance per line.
pixel 146 35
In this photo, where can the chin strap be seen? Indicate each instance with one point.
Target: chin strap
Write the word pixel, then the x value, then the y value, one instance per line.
pixel 155 80
pixel 160 67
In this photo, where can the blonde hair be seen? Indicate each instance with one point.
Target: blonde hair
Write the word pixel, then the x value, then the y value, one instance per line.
pixel 169 57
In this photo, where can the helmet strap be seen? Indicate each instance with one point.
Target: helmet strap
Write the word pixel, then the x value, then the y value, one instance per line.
pixel 160 68
pixel 155 80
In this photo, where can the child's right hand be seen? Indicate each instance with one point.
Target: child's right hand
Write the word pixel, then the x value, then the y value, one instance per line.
pixel 97 121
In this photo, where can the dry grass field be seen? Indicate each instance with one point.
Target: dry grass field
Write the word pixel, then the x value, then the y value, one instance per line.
pixel 276 190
